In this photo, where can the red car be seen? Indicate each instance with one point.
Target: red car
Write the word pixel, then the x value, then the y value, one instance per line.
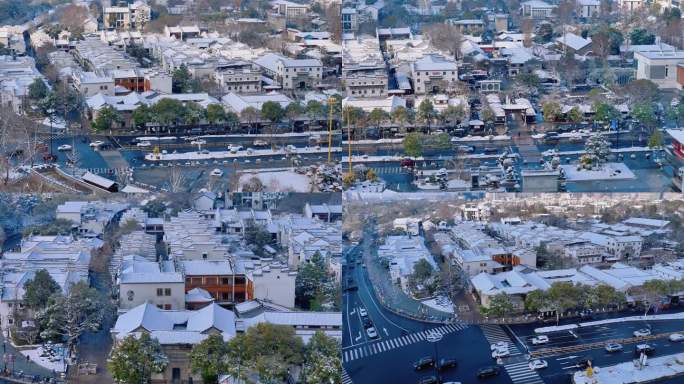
pixel 408 163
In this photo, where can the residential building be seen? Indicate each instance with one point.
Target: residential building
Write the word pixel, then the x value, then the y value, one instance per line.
pixel 142 281
pixel 227 284
pixel 131 16
pixel 537 9
pixel 291 74
pixel 433 74
pixel 17 73
pixel 402 253
pixel 660 67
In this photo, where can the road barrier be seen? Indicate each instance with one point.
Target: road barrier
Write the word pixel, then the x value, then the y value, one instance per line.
pixel 586 347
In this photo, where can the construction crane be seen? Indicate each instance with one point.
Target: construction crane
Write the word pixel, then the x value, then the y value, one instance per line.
pixel 331 113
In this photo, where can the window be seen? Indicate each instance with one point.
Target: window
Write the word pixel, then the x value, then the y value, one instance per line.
pixel 167 291
pixel 225 281
pixel 160 292
pixel 204 256
pixel 225 296
pixel 167 307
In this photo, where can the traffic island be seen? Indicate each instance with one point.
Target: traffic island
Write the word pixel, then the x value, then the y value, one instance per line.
pixel 656 369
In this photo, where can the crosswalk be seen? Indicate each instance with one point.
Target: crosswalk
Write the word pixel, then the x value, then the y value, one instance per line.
pixel 494 334
pixel 520 373
pixel 389 170
pixel 345 377
pixel 381 346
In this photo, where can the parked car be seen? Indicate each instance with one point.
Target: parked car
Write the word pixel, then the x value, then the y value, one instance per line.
pixel 489 371
pixel 424 362
pixel 613 347
pixel 538 364
pixel 676 337
pixel 642 332
pixel 541 339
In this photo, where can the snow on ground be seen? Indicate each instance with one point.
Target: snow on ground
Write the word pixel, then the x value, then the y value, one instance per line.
pixel 440 303
pixel 369 159
pixel 656 369
pixel 556 328
pixel 280 181
pixel 380 141
pixel 609 171
pixel 480 138
pixel 552 152
pixel 208 155
pixel 57 365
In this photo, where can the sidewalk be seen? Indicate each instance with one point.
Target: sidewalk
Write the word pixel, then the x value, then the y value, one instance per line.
pixel 393 297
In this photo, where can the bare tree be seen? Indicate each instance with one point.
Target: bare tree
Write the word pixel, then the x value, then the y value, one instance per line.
pixel 446 38
pixel 176 180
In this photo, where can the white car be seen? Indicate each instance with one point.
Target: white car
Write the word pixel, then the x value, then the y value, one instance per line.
pixel 642 332
pixel 541 339
pixel 96 143
pixel 371 332
pixel 144 144
pixel 217 172
pixel 64 147
pixel 676 337
pixel 260 143
pixel 198 142
pixel 497 353
pixel 499 345
pixel 538 364
pixel 363 312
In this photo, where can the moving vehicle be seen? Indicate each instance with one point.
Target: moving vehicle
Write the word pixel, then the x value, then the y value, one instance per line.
pixel 260 143
pixel 424 362
pixel 217 172
pixel 409 163
pixel 446 363
pixel 489 371
pixel 642 332
pixel 538 364
pixel 372 333
pixel 541 339
pixel 198 142
pixel 428 380
pixel 367 323
pixel 503 352
pixel 64 147
pixel 613 347
pixel 96 143
pixel 676 337
pixel 582 363
pixel 645 349
pixel 499 345
pixel 363 312
pixel 144 144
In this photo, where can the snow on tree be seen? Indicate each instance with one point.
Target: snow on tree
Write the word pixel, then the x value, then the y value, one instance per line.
pixel 134 360
pixel 208 358
pixel 598 150
pixel 322 363
pixel 68 317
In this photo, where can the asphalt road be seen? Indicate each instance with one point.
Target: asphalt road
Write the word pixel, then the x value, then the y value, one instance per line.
pixel 389 358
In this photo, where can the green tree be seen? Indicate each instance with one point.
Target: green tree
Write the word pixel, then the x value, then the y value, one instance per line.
pixel 215 113
pixel 413 145
pixel 257 234
pixel 551 111
pixel 39 289
pixel 167 111
pixel 136 359
pixel 377 116
pixel 192 113
pixel 400 117
pixel 644 113
pixel 38 90
pixel 106 118
pixel 575 115
pixel 315 110
pixel 268 350
pixel 293 111
pixel 640 36
pixel 487 114
pixel 272 111
pixel 536 301
pixel 251 116
pixel 454 114
pixel 656 140
pixel 181 81
pixel 500 305
pixel 322 360
pixel 142 115
pixel 528 79
pixel 422 270
pixel 312 281
pixel 604 112
pixel 68 317
pixel 426 112
pixel 208 358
